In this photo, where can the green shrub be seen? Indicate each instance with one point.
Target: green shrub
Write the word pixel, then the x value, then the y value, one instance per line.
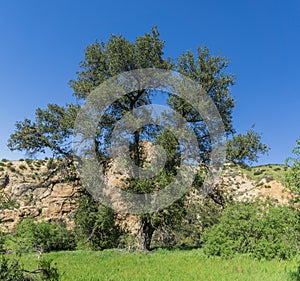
pixel 22 167
pixel 258 172
pixel 96 225
pixel 2 242
pixel 4 160
pixel 295 276
pixel 12 169
pixel 13 270
pixel 7 202
pixel 51 164
pixel 45 236
pixel 265 231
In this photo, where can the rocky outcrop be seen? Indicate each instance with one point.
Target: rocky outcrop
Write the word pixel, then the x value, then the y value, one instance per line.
pixel 25 191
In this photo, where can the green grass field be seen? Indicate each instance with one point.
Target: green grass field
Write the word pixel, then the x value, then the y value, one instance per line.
pixel 163 265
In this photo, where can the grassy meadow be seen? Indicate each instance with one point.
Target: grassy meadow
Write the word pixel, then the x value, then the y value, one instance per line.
pixel 163 265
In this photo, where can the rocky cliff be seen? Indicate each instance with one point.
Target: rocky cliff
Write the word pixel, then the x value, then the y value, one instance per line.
pixel 26 190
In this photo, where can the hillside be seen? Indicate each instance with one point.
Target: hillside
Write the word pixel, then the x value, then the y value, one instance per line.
pixel 26 191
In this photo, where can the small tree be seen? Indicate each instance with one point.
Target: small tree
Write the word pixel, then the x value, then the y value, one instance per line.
pixel 293 175
pixel 242 149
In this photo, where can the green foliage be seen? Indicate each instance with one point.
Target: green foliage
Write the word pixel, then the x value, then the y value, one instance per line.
pixel 51 164
pixel 210 72
pixel 295 275
pixel 12 169
pixel 262 230
pixel 185 231
pixel 22 167
pixel 48 270
pixel 107 59
pixel 52 127
pixel 13 270
pixel 43 236
pixel 293 175
pixel 2 242
pixel 244 149
pixel 258 172
pixel 96 225
pixel 269 171
pixel 7 202
pixel 4 160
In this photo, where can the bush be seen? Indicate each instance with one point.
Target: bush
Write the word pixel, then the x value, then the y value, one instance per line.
pixel 12 270
pixel 44 236
pixel 12 169
pixel 7 202
pixel 2 242
pixel 51 164
pixel 22 167
pixel 259 172
pixel 263 230
pixel 96 225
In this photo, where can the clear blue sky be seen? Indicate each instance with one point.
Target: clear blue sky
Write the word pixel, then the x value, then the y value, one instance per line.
pixel 42 43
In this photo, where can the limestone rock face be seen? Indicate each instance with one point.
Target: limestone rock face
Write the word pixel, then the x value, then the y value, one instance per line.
pixel 28 193
pixel 21 184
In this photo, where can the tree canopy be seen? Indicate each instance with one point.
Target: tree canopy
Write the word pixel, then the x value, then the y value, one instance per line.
pixel 243 149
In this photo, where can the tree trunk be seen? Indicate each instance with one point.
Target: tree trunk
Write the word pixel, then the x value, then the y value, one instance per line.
pixel 146 233
pixel 136 148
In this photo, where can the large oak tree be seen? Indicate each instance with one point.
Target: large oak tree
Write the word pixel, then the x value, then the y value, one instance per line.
pixel 53 127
